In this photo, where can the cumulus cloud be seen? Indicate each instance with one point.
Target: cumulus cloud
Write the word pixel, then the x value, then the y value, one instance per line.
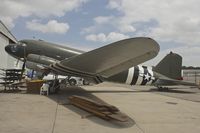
pixel 100 22
pixel 175 22
pixel 101 37
pixel 51 27
pixel 13 9
pixel 190 55
pixel 178 21
pixel 127 28
pixel 109 22
pixel 96 37
pixel 114 4
pixel 103 19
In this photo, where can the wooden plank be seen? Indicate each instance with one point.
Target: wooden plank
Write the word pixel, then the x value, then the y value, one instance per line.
pixel 104 111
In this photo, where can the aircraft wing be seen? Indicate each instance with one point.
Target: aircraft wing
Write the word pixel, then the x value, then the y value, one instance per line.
pixel 110 59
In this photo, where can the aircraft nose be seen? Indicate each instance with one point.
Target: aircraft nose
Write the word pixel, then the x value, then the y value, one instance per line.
pixel 8 49
pixel 12 49
pixel 16 50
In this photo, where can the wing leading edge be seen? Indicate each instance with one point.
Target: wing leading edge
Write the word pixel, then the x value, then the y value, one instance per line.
pixel 110 59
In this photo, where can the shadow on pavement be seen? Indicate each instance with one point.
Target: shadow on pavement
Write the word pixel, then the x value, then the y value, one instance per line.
pixel 172 90
pixel 62 99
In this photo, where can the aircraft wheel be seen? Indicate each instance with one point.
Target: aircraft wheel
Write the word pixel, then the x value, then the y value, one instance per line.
pixel 72 82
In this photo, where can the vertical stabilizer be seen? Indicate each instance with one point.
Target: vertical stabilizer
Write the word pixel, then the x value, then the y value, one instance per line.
pixel 170 66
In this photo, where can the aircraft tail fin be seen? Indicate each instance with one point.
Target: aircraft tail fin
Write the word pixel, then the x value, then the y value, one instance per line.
pixel 170 66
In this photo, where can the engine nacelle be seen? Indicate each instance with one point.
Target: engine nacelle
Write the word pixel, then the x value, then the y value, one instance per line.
pixel 40 59
pixel 34 66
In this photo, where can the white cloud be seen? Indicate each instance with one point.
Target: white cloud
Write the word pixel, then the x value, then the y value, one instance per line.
pixel 114 4
pixel 100 22
pixel 127 28
pixel 113 36
pixel 103 19
pixel 178 21
pixel 101 37
pixel 190 55
pixel 51 27
pixel 13 9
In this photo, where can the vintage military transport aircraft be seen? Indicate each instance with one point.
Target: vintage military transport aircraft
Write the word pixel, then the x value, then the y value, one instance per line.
pixel 116 62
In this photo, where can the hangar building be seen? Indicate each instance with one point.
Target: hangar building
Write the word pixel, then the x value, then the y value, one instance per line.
pixel 6 61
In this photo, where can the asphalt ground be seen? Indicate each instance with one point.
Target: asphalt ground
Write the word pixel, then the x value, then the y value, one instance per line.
pixel 150 111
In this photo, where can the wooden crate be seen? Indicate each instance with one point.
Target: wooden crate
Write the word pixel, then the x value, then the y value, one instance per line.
pixel 34 86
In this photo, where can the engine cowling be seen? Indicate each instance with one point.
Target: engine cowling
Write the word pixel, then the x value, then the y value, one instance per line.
pixel 40 59
pixel 34 66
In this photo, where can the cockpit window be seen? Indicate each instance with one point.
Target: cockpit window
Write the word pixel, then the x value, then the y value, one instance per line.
pixel 14 48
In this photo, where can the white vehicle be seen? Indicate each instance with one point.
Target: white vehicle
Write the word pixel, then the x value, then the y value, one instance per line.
pixel 72 81
pixel 77 81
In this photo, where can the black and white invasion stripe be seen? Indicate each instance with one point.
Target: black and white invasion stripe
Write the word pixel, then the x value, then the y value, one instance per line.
pixel 140 75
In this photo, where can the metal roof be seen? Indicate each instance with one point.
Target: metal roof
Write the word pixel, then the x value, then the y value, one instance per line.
pixel 5 31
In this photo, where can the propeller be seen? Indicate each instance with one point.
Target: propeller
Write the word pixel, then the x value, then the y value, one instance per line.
pixel 24 61
pixel 17 63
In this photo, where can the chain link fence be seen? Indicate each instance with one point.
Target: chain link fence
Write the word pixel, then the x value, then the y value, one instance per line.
pixel 192 75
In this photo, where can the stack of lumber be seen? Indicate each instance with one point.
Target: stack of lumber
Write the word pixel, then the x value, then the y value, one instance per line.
pixel 101 110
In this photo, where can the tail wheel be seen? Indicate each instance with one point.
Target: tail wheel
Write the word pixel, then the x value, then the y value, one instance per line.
pixel 72 82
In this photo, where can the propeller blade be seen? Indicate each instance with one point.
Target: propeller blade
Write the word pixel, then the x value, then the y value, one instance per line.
pixel 24 64
pixel 23 68
pixel 17 63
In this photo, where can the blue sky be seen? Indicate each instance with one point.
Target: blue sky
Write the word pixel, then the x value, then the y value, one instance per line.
pixel 88 24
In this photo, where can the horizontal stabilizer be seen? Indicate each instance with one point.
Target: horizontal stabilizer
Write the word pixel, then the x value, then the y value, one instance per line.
pixel 165 81
pixel 110 59
pixel 169 82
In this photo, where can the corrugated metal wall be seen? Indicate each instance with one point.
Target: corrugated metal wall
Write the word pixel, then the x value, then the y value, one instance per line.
pixel 6 61
pixel 3 55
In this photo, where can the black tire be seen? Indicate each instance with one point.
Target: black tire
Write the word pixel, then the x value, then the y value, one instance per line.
pixel 72 82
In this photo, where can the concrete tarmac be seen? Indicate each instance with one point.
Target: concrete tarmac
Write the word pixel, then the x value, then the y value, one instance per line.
pixel 150 111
